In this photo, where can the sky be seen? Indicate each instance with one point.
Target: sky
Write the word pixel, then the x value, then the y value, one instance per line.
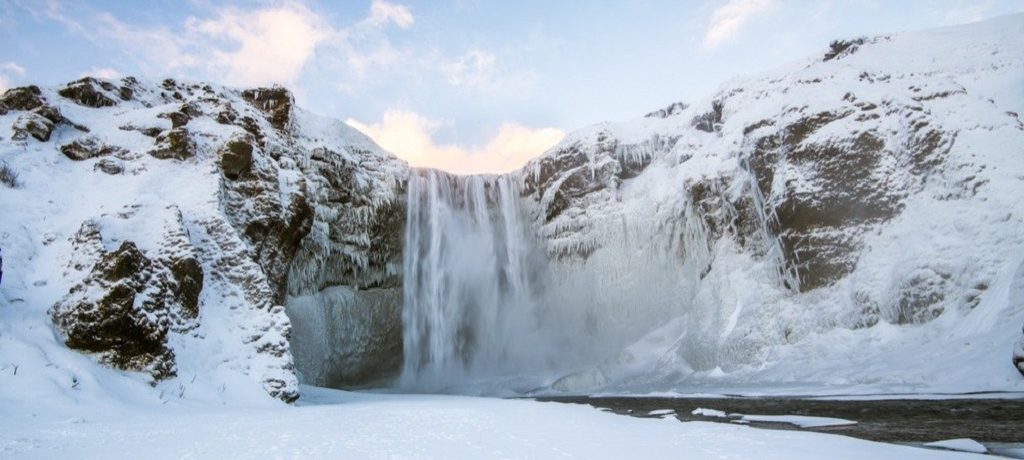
pixel 463 85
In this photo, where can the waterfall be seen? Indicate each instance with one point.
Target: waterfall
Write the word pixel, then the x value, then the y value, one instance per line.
pixel 469 305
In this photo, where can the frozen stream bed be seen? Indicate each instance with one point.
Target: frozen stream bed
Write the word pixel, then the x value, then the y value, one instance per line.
pixel 336 424
pixel 995 421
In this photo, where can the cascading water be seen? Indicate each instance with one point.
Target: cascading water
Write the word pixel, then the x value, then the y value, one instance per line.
pixel 469 280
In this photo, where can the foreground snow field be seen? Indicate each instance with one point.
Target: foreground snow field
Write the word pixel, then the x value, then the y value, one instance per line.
pixel 336 424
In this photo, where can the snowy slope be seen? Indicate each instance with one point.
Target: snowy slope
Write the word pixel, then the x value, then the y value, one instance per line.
pixel 852 220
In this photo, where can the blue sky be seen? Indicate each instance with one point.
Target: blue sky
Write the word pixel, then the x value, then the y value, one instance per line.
pixel 465 85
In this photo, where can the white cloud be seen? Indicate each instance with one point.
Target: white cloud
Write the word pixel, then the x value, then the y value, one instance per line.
pixel 728 20
pixel 242 46
pixel 476 68
pixel 482 70
pixel 12 67
pixel 260 47
pixel 104 72
pixel 967 14
pixel 6 69
pixel 411 136
pixel 382 13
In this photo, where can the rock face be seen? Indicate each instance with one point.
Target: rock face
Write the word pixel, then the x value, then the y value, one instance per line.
pixel 127 302
pixel 90 92
pixel 831 189
pixel 41 117
pixel 175 144
pixel 89 147
pixel 257 239
pixel 34 125
pixel 275 102
pixel 193 275
pixel 252 198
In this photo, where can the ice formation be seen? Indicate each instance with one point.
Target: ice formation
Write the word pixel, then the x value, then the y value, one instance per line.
pixel 847 221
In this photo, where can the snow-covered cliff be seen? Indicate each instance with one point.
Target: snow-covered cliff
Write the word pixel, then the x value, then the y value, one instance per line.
pixel 850 219
pixel 156 225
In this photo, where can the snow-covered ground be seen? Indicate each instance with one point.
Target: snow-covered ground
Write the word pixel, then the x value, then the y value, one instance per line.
pixel 335 424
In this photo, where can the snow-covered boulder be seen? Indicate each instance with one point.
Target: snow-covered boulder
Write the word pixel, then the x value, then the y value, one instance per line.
pixel 126 299
pixel 94 93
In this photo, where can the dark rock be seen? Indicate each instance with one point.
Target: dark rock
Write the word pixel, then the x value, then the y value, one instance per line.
pixel 29 99
pixel 253 201
pixel 178 119
pixel 842 48
pixel 183 115
pixel 227 116
pixel 821 231
pixel 34 125
pixel 188 277
pixel 89 147
pixel 673 109
pixel 236 158
pixel 110 325
pixel 89 92
pixel 148 131
pixel 128 88
pixel 569 174
pixel 109 166
pixel 711 120
pixel 174 144
pixel 25 98
pixel 276 102
pixel 129 301
pixel 123 263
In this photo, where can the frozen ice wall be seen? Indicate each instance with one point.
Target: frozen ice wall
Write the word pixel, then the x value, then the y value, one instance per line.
pixel 470 280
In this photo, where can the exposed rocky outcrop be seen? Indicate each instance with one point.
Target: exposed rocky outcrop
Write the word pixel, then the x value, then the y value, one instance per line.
pixel 89 147
pixel 174 144
pixel 275 102
pixel 274 223
pixel 263 328
pixel 91 92
pixel 34 125
pixel 128 300
pixel 110 166
pixel 579 174
pixel 25 98
pixel 673 109
pixel 133 318
pixel 40 119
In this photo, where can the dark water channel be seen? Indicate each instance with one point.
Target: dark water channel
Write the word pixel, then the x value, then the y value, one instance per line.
pixel 997 423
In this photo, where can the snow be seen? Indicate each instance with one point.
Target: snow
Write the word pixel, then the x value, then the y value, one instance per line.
pixel 221 360
pixel 334 424
pixel 962 445
pixel 658 322
pixel 802 421
pixel 709 412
